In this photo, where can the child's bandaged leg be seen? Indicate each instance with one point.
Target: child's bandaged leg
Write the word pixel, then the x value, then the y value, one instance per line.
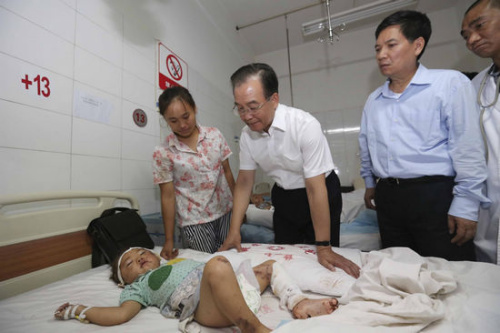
pixel 284 287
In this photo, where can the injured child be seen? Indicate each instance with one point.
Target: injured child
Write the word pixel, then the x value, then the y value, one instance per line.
pixel 211 293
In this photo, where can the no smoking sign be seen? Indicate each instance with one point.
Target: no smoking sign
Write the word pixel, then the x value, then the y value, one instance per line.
pixel 172 70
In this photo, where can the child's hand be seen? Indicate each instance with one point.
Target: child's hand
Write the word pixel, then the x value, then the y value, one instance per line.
pixel 105 316
pixel 66 311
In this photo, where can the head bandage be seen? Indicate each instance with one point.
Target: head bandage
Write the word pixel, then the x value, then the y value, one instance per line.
pixel 119 271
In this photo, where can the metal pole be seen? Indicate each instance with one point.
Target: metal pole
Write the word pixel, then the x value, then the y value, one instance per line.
pixel 289 62
pixel 239 27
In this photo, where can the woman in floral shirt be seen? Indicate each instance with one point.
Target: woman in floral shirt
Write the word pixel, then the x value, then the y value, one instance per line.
pixel 196 182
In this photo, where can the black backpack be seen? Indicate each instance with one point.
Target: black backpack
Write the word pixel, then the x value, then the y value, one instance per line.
pixel 116 230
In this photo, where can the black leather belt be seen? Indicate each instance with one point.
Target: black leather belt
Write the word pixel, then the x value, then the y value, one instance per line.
pixel 423 179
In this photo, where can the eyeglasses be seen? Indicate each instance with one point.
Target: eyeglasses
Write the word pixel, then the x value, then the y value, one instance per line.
pixel 241 111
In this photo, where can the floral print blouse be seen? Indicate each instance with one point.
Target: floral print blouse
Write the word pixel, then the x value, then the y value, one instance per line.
pixel 202 193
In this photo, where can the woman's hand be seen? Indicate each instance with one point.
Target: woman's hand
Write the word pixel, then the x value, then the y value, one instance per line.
pixel 168 252
pixel 232 241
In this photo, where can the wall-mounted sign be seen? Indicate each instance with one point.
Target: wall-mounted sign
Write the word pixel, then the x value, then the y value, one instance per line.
pixel 140 117
pixel 172 70
pixel 91 107
pixel 42 84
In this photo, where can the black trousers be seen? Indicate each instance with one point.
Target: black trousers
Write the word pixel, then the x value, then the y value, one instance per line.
pixel 415 215
pixel 292 215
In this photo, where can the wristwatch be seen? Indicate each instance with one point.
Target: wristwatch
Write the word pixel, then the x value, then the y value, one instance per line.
pixel 322 243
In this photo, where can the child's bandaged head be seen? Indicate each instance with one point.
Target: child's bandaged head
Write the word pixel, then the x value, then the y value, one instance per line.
pixel 119 271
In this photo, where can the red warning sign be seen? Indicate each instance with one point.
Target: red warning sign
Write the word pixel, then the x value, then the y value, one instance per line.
pixel 172 70
pixel 174 67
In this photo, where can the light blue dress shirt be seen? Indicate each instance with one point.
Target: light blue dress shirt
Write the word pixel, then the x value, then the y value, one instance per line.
pixel 432 128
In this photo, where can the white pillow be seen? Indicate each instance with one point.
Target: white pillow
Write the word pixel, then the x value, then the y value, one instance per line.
pixel 262 217
pixel 352 204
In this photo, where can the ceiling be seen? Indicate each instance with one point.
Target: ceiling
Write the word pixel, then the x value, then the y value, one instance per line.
pixel 270 35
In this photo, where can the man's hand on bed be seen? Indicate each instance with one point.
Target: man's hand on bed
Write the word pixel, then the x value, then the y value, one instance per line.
pixel 168 252
pixel 370 198
pixel 330 260
pixel 463 229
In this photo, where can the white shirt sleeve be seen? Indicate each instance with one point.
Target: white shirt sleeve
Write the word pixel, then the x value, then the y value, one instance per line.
pixel 316 154
pixel 246 160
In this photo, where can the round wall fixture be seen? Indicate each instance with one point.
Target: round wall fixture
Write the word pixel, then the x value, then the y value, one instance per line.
pixel 140 117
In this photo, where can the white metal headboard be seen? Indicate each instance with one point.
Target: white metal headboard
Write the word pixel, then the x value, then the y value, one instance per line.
pixel 25 220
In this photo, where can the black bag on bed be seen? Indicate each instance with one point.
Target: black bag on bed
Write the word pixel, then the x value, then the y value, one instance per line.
pixel 115 230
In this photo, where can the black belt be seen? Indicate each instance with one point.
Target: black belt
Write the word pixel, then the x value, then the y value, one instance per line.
pixel 423 179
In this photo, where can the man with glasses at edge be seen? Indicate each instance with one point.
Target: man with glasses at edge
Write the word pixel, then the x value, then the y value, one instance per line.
pixel 481 31
pixel 289 145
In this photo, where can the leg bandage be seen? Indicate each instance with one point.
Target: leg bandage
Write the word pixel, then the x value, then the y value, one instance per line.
pixel 284 287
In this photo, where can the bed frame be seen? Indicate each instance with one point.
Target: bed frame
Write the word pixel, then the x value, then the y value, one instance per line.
pixel 43 236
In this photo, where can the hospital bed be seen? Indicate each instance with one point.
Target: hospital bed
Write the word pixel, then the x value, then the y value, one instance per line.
pixel 46 257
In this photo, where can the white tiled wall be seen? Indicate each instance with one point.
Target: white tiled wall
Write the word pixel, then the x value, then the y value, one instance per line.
pixel 106 50
pixel 95 139
pixel 21 122
pixel 26 171
pixel 106 44
pixel 95 71
pixel 12 89
pixel 23 38
pixel 95 173
pixel 52 15
pixel 137 90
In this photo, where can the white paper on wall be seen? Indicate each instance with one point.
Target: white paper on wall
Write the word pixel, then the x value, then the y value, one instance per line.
pixel 91 107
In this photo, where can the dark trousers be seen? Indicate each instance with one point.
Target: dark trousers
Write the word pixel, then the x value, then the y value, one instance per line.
pixel 415 215
pixel 292 215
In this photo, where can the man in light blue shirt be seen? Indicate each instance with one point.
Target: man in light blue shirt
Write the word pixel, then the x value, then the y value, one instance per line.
pixel 420 139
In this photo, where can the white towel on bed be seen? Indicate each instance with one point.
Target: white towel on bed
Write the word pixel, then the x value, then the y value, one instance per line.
pixel 396 287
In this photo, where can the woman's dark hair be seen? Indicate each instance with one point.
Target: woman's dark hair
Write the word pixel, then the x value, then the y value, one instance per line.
pixel 266 74
pixel 413 25
pixel 172 94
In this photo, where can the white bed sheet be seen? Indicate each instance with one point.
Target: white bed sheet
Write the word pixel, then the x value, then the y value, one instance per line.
pixel 473 307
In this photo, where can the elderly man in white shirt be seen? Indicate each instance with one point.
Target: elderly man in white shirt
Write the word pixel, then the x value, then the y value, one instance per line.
pixel 289 145
pixel 481 31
